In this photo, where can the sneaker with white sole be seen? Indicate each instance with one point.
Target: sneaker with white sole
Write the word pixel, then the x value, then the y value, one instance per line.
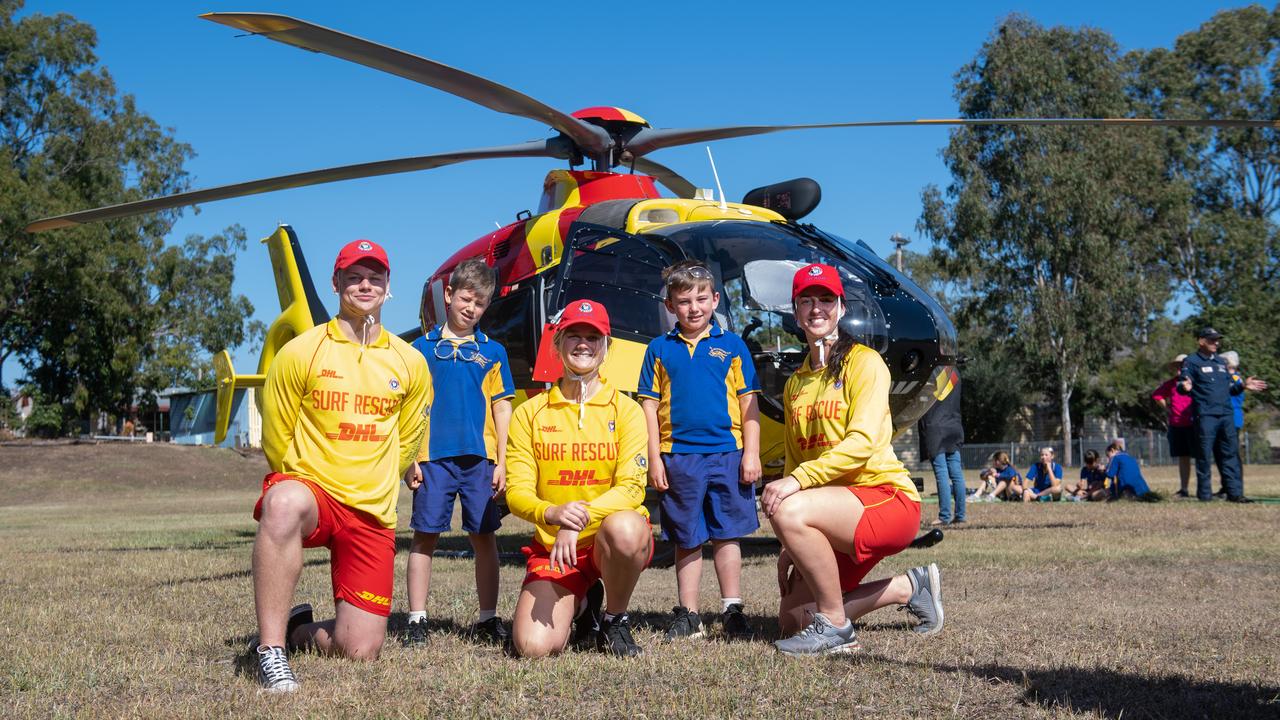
pixel 685 625
pixel 274 673
pixel 820 637
pixel 925 604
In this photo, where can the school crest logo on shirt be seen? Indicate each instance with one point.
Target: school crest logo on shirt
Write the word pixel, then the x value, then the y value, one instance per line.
pixel 719 353
pixel 481 360
pixel 395 384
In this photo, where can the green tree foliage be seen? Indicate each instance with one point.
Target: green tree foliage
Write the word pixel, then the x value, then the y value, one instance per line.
pixel 86 310
pixel 1227 255
pixel 1048 232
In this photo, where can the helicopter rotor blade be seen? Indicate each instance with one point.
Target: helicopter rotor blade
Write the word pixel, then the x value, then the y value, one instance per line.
pixel 594 141
pixel 536 148
pixel 665 175
pixel 649 139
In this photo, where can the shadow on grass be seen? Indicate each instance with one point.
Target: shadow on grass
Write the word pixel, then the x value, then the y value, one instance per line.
pixel 1115 694
pixel 973 527
pixel 245 664
pixel 235 575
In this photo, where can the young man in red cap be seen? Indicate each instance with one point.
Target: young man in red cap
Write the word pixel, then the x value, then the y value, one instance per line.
pixel 344 407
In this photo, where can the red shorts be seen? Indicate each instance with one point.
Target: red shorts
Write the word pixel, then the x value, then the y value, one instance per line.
pixel 576 580
pixel 890 521
pixel 362 552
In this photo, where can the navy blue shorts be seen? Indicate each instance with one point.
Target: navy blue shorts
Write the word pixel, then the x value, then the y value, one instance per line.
pixel 704 500
pixel 466 477
pixel 1182 441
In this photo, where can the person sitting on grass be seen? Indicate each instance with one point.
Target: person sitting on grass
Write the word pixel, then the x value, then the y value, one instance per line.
pixel 1009 484
pixel 846 502
pixel 1125 475
pixel 1044 478
pixel 698 391
pixel 463 456
pixel 343 411
pixel 577 462
pixel 1093 480
pixel 986 484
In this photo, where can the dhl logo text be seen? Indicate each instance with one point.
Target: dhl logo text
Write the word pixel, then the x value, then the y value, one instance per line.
pixel 375 599
pixel 577 477
pixel 365 432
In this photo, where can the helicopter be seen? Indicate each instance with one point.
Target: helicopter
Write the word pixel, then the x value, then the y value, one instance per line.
pixel 605 232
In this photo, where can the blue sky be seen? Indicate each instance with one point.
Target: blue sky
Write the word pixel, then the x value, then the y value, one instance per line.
pixel 252 108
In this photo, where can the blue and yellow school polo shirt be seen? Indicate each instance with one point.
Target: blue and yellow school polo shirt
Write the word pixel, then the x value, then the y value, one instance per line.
pixel 697 384
pixel 466 383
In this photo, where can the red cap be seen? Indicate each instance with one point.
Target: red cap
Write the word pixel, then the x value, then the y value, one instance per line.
pixel 816 275
pixel 357 250
pixel 585 312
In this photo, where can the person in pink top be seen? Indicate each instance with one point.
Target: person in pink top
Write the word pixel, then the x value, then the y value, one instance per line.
pixel 1182 434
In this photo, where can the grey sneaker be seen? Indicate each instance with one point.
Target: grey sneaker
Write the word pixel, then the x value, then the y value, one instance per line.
pixel 685 625
pixel 925 604
pixel 274 673
pixel 821 638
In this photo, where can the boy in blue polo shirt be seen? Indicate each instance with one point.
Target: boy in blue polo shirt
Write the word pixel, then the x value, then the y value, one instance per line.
pixel 463 458
pixel 698 390
pixel 1125 475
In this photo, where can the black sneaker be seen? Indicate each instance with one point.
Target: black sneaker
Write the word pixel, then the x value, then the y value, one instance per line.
pixel 1240 499
pixel 300 615
pixel 1221 494
pixel 492 631
pixel 615 637
pixel 416 633
pixel 587 625
pixel 684 625
pixel 735 625
pixel 1182 494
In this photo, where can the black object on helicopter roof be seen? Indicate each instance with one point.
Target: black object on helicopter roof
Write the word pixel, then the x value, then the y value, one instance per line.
pixel 792 199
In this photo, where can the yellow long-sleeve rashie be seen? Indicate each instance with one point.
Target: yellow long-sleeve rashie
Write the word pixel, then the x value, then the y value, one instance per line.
pixel 550 461
pixel 346 417
pixel 840 432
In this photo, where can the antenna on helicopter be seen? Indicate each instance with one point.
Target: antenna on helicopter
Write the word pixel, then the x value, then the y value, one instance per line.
pixel 717 177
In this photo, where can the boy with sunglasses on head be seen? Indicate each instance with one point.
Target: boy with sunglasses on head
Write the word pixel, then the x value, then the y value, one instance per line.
pixel 464 458
pixel 698 391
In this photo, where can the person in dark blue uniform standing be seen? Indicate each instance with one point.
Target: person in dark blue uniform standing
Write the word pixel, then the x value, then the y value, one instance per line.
pixel 1205 377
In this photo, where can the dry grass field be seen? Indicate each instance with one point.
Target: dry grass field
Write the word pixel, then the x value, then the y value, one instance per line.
pixel 125 592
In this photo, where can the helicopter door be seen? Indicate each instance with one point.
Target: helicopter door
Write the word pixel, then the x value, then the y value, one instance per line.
pixel 624 273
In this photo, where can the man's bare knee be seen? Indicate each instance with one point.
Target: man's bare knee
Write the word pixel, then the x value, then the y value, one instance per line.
pixel 528 647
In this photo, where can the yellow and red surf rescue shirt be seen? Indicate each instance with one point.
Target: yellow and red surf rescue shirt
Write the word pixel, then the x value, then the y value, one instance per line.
pixel 346 417
pixel 550 461
pixel 840 432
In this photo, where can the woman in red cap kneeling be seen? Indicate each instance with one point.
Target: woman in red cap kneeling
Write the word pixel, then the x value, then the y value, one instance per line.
pixel 577 469
pixel 846 502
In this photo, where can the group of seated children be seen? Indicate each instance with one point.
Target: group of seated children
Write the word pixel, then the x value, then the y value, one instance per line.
pixel 1043 481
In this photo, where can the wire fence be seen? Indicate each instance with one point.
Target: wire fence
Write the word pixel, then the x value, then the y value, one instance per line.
pixel 1149 447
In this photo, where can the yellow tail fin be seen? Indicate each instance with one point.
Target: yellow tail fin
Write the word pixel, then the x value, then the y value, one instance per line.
pixel 300 309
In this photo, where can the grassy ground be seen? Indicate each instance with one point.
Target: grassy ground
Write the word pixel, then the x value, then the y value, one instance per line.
pixel 125 591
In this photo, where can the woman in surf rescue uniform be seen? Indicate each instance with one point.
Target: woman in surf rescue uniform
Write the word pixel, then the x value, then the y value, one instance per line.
pixel 846 501
pixel 577 469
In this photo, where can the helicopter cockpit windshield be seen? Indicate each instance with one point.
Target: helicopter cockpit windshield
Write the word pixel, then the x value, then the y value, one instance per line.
pixel 755 262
